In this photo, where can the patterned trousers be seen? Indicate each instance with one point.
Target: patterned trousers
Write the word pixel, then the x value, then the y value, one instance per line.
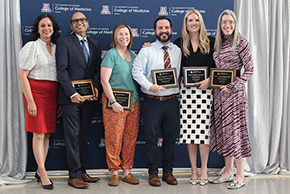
pixel 121 130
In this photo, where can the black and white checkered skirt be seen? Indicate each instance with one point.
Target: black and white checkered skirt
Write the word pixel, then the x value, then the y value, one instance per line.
pixel 195 110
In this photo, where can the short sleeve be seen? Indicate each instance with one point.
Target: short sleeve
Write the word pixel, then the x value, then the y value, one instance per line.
pixel 133 55
pixel 27 56
pixel 109 59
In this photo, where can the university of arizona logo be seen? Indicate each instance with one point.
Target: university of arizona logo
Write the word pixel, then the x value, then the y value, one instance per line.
pixel 103 53
pixel 159 143
pixel 105 10
pixel 163 11
pixel 46 8
pixel 135 32
pixel 102 143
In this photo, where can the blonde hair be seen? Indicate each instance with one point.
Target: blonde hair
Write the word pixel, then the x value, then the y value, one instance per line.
pixel 236 34
pixel 203 39
pixel 115 33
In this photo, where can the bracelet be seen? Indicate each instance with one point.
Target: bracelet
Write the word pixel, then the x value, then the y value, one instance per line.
pixel 112 101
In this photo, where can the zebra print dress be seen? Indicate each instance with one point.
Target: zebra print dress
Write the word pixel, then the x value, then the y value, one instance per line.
pixel 229 121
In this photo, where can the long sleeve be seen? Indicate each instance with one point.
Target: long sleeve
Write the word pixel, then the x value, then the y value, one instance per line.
pixel 246 59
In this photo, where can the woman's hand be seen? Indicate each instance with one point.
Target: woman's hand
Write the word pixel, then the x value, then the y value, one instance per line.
pixel 32 110
pixel 146 44
pixel 117 107
pixel 203 85
pixel 225 89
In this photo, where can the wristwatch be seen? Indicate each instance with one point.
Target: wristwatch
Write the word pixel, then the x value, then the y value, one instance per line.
pixel 112 101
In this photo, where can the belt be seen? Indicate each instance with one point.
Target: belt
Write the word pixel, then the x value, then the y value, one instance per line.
pixel 238 73
pixel 161 98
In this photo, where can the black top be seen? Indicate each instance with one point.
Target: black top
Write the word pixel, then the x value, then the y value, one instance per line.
pixel 196 59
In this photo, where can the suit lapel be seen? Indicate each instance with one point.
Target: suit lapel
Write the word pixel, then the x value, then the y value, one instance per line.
pixel 91 50
pixel 80 49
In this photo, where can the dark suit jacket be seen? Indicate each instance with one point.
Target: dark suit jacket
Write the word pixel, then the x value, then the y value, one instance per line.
pixel 71 65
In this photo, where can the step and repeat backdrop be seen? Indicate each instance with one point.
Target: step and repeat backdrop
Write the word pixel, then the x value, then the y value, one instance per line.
pixel 103 16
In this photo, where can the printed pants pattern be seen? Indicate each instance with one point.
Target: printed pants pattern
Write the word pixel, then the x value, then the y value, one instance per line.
pixel 121 130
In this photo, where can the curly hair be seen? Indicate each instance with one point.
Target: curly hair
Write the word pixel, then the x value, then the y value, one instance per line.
pixel 56 29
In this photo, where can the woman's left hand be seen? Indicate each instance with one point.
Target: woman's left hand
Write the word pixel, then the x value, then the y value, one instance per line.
pixel 225 89
pixel 203 85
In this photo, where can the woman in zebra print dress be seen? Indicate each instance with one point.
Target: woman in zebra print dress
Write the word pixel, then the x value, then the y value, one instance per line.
pixel 229 130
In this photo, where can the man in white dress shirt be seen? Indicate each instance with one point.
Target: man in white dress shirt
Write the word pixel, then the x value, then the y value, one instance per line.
pixel 161 106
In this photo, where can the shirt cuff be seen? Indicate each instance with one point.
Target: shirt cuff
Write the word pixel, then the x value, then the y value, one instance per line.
pixel 73 95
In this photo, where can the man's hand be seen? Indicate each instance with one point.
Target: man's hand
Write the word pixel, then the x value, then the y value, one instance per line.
pixel 77 99
pixel 96 95
pixel 156 88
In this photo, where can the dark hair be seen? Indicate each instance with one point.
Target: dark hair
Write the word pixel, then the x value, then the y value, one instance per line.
pixel 114 35
pixel 162 18
pixel 56 29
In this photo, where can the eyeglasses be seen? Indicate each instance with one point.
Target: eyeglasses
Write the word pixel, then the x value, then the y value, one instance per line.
pixel 225 23
pixel 77 20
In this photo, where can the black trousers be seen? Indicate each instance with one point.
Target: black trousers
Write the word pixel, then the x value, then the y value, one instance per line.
pixel 160 117
pixel 76 125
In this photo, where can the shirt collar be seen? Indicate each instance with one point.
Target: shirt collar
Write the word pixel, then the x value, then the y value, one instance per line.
pixel 43 43
pixel 160 45
pixel 80 38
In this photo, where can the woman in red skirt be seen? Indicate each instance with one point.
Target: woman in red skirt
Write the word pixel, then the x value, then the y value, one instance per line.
pixel 37 74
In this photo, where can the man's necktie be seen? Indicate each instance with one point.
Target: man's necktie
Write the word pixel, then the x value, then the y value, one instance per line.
pixel 85 50
pixel 167 63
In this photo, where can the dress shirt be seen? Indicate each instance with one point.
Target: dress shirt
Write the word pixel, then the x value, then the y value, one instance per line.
pixel 150 58
pixel 87 46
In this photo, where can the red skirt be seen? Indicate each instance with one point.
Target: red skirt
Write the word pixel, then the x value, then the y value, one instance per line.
pixel 45 97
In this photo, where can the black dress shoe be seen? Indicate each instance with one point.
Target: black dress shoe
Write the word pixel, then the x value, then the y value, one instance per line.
pixel 50 186
pixel 37 177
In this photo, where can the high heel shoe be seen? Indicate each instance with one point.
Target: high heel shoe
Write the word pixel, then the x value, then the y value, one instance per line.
pixel 37 177
pixel 50 186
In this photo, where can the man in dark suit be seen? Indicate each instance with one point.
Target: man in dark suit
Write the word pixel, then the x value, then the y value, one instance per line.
pixel 77 59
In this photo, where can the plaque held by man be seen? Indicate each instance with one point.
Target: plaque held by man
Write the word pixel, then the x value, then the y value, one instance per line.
pixel 85 88
pixel 166 78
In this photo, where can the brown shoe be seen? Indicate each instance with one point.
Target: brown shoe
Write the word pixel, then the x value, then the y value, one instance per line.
pixel 113 181
pixel 77 183
pixel 88 178
pixel 169 178
pixel 130 179
pixel 154 180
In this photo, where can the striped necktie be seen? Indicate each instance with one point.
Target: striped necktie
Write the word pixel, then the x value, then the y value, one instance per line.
pixel 85 50
pixel 167 63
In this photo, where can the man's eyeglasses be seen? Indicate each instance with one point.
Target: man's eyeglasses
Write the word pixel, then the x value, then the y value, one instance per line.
pixel 77 20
